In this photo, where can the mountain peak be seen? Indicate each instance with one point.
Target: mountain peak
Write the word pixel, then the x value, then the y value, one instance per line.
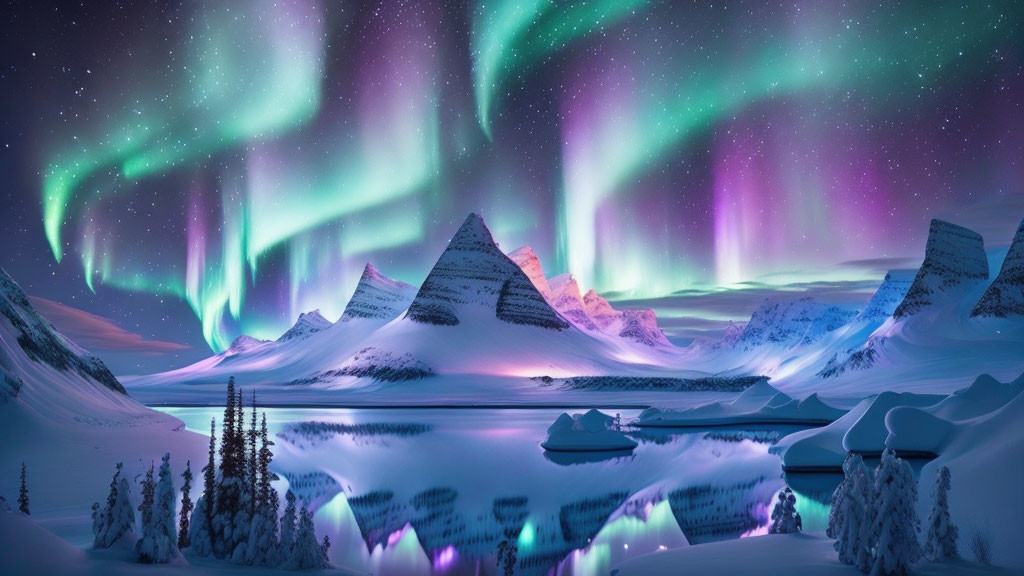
pixel 1005 297
pixel 528 262
pixel 377 296
pixel 307 324
pixel 888 296
pixel 245 342
pixel 954 257
pixel 472 271
pixel 37 338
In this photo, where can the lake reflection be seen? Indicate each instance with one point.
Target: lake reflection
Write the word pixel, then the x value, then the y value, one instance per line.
pixel 442 491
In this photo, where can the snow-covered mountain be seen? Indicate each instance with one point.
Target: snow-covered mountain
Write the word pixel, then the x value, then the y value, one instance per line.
pixel 954 261
pixel 53 394
pixel 789 323
pixel 472 274
pixel 309 323
pixel 590 312
pixel 478 313
pixel 1005 297
pixel 889 295
pixel 934 335
pixel 378 297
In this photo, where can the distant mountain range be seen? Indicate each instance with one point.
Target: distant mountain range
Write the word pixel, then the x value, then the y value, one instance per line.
pixel 482 312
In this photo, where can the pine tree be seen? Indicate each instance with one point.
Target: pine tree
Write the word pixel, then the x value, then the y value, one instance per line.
pixel 264 547
pixel 288 525
pixel 158 542
pixel 785 518
pixel 23 493
pixel 210 479
pixel 186 506
pixel 118 517
pixel 226 526
pixel 895 526
pixel 307 553
pixel 253 460
pixel 145 546
pixel 849 518
pixel 940 543
pixel 325 549
pixel 199 536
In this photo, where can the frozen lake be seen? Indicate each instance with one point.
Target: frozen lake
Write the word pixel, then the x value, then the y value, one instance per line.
pixel 437 491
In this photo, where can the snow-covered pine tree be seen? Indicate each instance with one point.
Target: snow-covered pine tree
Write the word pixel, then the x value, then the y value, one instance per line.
pixel 186 506
pixel 23 493
pixel 226 522
pixel 145 547
pixel 940 543
pixel 199 536
pixel 158 542
pixel 288 525
pixel 264 547
pixel 785 518
pixel 307 552
pixel 243 509
pixel 895 525
pixel 325 551
pixel 253 466
pixel 118 518
pixel 850 513
pixel 164 510
pixel 101 516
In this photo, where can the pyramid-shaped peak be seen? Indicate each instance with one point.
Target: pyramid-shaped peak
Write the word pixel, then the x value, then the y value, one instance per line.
pixel 473 231
pixel 472 271
pixel 377 296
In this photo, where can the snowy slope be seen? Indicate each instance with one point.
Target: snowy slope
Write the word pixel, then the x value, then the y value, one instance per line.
pixel 66 416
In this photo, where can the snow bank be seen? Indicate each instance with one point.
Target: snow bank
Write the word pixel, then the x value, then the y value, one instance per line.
pixel 759 404
pixel 593 431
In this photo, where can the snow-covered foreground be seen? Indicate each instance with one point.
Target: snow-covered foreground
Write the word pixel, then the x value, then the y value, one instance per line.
pixel 810 554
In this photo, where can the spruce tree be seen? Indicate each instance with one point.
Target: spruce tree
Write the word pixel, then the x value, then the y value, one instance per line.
pixel 186 506
pixel 264 546
pixel 146 507
pixel 210 478
pixel 940 543
pixel 895 526
pixel 118 517
pixel 157 545
pixel 850 516
pixel 23 493
pixel 252 467
pixel 288 525
pixel 785 518
pixel 307 553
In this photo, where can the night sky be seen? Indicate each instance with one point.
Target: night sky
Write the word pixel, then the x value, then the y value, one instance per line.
pixel 178 174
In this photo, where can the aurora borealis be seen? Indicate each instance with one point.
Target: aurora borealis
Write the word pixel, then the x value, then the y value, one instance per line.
pixel 200 170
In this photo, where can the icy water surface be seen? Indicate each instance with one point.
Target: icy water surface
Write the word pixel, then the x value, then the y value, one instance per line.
pixel 440 491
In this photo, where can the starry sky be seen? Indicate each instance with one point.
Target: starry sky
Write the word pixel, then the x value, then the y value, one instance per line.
pixel 179 173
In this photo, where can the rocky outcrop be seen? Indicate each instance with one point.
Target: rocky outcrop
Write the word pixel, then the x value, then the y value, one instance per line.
pixel 565 297
pixel 1005 297
pixel 378 297
pixel 472 271
pixel 954 259
pixel 528 262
